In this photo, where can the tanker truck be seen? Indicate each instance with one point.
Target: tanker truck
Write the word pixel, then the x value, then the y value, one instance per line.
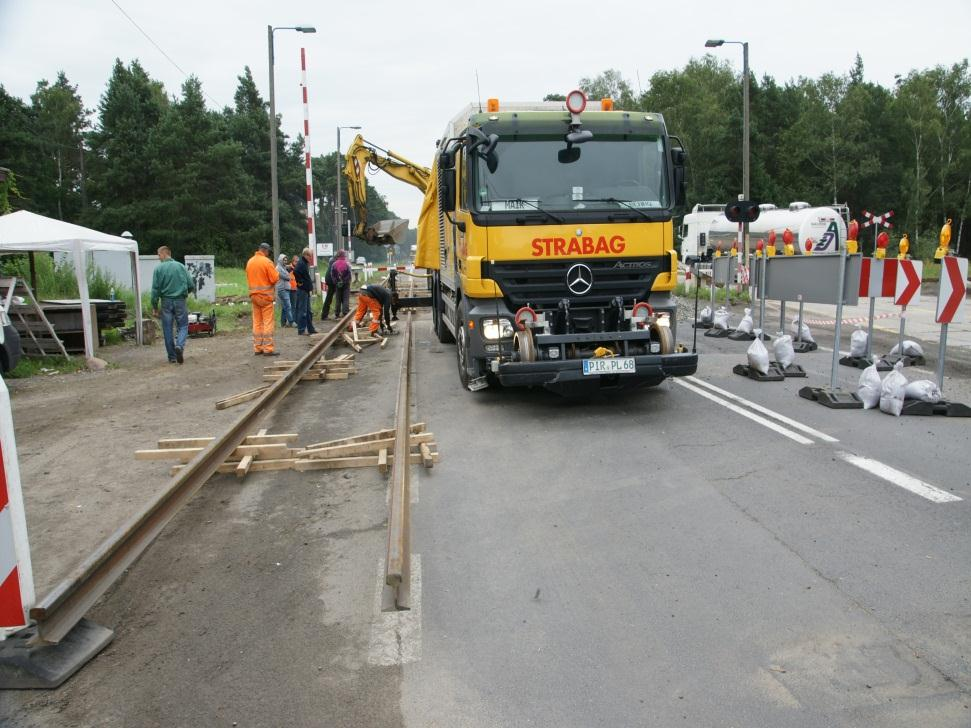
pixel 703 231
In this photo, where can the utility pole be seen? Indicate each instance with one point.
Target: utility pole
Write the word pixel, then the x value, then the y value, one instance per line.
pixel 274 190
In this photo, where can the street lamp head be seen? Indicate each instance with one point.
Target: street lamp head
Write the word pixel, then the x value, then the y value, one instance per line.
pixel 714 43
pixel 305 29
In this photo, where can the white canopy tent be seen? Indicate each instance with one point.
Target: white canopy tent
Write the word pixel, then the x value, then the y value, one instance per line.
pixel 26 232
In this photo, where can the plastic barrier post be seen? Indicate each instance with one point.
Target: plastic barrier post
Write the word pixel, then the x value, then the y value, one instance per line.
pixel 24 663
pixel 16 578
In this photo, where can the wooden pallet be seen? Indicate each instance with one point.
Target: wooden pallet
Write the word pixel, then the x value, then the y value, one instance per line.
pixel 264 451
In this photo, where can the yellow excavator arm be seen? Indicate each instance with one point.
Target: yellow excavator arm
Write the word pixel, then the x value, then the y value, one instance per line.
pixel 362 154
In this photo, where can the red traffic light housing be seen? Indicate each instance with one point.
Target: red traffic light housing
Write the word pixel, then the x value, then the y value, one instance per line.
pixel 742 211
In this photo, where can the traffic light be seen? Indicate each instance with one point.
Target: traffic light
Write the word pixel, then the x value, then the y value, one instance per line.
pixel 742 211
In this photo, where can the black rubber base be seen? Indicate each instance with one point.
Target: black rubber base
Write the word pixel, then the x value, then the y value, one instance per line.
pixel 832 398
pixel 744 370
pixel 887 363
pixel 719 333
pixel 945 408
pixel 793 370
pixel 741 336
pixel 47 666
pixel 859 362
pixel 703 324
pixel 804 347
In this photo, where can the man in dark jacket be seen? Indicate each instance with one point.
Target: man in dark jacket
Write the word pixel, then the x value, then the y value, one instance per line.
pixel 305 288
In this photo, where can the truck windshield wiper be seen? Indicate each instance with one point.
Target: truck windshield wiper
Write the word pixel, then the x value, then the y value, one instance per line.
pixel 550 215
pixel 624 203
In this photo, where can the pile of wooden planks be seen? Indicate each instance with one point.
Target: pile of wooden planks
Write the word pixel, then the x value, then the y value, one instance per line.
pixel 338 368
pixel 323 369
pixel 264 451
pixel 357 342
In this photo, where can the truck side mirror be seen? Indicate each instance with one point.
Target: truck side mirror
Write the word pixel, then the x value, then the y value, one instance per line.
pixel 446 189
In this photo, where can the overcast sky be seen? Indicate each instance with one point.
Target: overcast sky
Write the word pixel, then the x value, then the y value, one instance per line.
pixel 403 69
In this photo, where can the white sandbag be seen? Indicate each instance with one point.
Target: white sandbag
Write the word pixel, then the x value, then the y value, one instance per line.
pixel 758 355
pixel 923 389
pixel 784 353
pixel 806 333
pixel 893 391
pixel 858 342
pixel 911 348
pixel 721 318
pixel 746 324
pixel 868 390
pixel 706 316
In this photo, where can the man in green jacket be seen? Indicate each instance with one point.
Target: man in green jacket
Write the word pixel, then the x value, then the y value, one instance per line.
pixel 171 283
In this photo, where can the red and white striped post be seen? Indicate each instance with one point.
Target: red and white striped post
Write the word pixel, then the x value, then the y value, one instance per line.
pixel 16 578
pixel 311 233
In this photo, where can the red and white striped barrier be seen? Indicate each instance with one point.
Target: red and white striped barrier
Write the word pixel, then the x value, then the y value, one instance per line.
pixel 311 235
pixel 16 578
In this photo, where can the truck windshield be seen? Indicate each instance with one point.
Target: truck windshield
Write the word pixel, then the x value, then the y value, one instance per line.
pixel 610 174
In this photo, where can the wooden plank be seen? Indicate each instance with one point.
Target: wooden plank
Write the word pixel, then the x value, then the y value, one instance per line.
pixel 426 455
pixel 363 461
pixel 383 460
pixel 350 342
pixel 240 398
pixel 361 448
pixel 333 376
pixel 251 440
pixel 244 465
pixel 185 454
pixel 258 465
pixel 366 437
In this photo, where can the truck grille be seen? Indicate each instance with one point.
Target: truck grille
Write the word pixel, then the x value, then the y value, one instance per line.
pixel 542 284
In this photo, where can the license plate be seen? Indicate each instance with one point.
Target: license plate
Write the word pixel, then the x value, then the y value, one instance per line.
pixel 613 365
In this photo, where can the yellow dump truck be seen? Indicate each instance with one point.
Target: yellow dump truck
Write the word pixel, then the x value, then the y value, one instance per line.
pixel 548 232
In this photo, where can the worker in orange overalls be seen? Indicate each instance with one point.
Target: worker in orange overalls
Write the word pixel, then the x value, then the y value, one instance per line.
pixel 261 276
pixel 376 299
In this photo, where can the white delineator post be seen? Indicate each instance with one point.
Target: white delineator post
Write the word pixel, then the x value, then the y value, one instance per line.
pixel 311 234
pixel 16 578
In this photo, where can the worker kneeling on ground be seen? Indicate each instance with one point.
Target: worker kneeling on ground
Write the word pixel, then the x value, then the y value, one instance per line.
pixel 261 276
pixel 377 300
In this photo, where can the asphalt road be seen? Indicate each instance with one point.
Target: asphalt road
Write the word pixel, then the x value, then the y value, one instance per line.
pixel 671 556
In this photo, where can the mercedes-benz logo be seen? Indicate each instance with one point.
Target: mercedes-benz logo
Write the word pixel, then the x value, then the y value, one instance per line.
pixel 579 279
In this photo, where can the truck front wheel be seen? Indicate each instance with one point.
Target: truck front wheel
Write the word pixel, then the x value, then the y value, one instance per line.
pixel 468 367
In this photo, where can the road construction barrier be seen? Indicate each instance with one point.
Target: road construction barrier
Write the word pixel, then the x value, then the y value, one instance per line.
pixel 831 279
pixel 906 291
pixel 16 578
pixel 878 279
pixel 951 309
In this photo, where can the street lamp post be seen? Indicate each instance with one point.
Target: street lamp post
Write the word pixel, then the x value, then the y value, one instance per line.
pixel 338 210
pixel 274 188
pixel 746 169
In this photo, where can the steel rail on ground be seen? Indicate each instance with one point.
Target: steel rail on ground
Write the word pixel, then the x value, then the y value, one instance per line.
pixel 70 600
pixel 397 573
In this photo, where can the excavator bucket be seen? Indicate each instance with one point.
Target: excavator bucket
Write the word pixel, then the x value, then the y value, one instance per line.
pixel 387 232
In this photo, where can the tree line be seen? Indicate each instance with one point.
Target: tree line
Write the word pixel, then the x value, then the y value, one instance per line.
pixel 836 138
pixel 170 170
pixel 165 168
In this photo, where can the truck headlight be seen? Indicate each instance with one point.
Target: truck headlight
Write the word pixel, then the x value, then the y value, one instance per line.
pixel 493 329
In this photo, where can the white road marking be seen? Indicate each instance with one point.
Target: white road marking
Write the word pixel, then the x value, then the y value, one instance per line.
pixel 745 413
pixel 892 475
pixel 766 411
pixel 396 636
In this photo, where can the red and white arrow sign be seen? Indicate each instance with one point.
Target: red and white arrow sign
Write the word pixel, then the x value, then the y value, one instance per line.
pixel 951 299
pixel 908 282
pixel 878 278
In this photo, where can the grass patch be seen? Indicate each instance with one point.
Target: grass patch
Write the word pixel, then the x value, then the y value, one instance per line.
pixel 721 294
pixel 31 366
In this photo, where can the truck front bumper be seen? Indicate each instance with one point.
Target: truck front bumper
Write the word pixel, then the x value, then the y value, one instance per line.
pixel 567 376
